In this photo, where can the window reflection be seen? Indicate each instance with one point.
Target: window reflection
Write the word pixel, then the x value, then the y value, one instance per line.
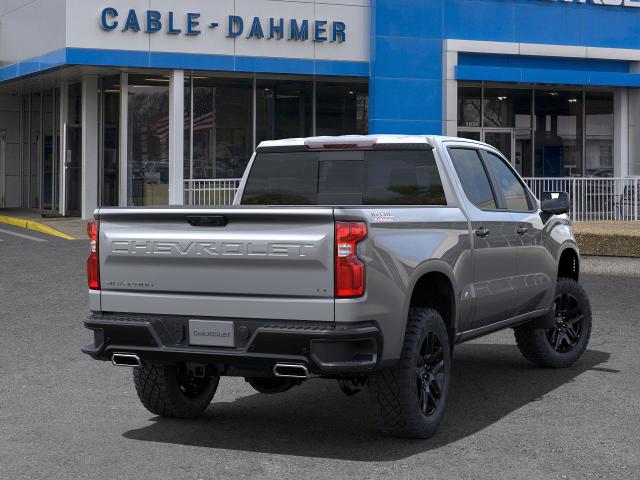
pixel 558 136
pixel 283 109
pixel 148 140
pixel 507 107
pixel 469 106
pixel 341 108
pixel 222 127
pixel 599 134
pixel 110 90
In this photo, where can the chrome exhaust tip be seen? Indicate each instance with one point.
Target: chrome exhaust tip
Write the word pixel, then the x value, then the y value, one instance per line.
pixel 290 370
pixel 126 360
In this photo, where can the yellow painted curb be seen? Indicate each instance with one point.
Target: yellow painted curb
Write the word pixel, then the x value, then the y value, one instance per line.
pixel 35 226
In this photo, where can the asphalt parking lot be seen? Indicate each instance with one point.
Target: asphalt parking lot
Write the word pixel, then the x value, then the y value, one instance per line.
pixel 64 416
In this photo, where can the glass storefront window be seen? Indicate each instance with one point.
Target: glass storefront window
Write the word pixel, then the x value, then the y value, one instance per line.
pixel 341 108
pixel 222 127
pixel 283 109
pixel 75 104
pixel 110 90
pixel 521 160
pixel 32 140
pixel 49 185
pixel 558 136
pixel 469 106
pixel 148 140
pixel 507 107
pixel 471 135
pixel 570 133
pixel 599 134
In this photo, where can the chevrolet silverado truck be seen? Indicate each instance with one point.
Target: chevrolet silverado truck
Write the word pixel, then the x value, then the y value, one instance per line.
pixel 363 259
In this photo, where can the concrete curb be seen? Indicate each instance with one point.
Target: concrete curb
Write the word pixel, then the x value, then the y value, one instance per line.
pixel 609 239
pixel 35 226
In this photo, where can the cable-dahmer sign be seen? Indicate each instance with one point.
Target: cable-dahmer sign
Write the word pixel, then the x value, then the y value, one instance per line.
pixel 192 23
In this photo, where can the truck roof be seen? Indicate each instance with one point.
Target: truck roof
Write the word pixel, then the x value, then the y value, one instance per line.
pixel 364 141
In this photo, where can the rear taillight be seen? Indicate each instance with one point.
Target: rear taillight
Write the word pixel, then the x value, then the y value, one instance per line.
pixel 93 265
pixel 349 268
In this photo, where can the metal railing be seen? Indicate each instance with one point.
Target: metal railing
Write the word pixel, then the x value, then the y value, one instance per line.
pixel 593 198
pixel 213 191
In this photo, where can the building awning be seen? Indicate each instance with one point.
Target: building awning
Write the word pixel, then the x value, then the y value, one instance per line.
pixel 525 69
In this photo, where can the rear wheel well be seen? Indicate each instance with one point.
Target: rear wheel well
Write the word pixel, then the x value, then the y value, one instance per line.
pixel 569 265
pixel 434 290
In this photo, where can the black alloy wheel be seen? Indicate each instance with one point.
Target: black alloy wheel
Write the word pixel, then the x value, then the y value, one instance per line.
pixel 569 319
pixel 564 343
pixel 412 394
pixel 430 373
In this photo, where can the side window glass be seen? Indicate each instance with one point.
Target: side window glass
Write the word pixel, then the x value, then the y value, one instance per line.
pixel 515 195
pixel 473 177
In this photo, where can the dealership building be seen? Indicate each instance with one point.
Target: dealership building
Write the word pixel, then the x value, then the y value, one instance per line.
pixel 132 102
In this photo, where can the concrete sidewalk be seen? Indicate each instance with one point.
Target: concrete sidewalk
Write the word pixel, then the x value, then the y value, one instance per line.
pixel 69 226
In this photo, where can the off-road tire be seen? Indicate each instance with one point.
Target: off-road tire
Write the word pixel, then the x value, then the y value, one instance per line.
pixel 163 393
pixel 535 344
pixel 396 389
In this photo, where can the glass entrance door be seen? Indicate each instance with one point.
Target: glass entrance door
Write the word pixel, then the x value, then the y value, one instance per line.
pixel 515 145
pixel 45 148
pixel 73 170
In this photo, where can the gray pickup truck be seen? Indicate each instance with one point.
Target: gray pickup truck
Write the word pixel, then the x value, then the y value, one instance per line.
pixel 363 259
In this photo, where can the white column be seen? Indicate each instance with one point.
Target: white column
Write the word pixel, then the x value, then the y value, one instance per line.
pixel 449 91
pixel 62 148
pixel 123 180
pixel 621 133
pixel 176 138
pixel 90 175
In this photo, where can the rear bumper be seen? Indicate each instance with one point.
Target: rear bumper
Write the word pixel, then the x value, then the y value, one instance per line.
pixel 324 348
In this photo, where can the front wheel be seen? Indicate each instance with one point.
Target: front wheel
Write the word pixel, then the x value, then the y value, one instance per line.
pixel 412 394
pixel 563 344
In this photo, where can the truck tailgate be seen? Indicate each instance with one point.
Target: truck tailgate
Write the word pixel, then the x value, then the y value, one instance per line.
pixel 233 262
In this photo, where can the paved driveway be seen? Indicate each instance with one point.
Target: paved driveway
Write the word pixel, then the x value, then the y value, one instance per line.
pixel 64 416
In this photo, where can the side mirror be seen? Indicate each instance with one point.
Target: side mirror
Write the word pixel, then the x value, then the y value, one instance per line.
pixel 555 203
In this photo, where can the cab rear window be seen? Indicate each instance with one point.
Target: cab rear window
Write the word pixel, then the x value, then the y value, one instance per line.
pixel 371 177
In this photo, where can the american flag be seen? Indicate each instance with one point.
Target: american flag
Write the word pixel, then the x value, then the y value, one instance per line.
pixel 203 122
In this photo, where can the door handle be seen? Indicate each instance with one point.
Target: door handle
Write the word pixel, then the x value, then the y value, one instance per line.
pixel 482 232
pixel 522 230
pixel 207 220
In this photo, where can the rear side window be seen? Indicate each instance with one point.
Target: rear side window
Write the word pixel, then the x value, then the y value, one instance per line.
pixel 514 194
pixel 473 177
pixel 371 177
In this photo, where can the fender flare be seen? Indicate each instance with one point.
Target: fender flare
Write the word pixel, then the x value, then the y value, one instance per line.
pixel 433 266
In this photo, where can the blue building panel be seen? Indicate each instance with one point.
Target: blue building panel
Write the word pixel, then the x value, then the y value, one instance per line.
pixel 479 20
pixel 406 54
pixel 405 94
pixel 406 34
